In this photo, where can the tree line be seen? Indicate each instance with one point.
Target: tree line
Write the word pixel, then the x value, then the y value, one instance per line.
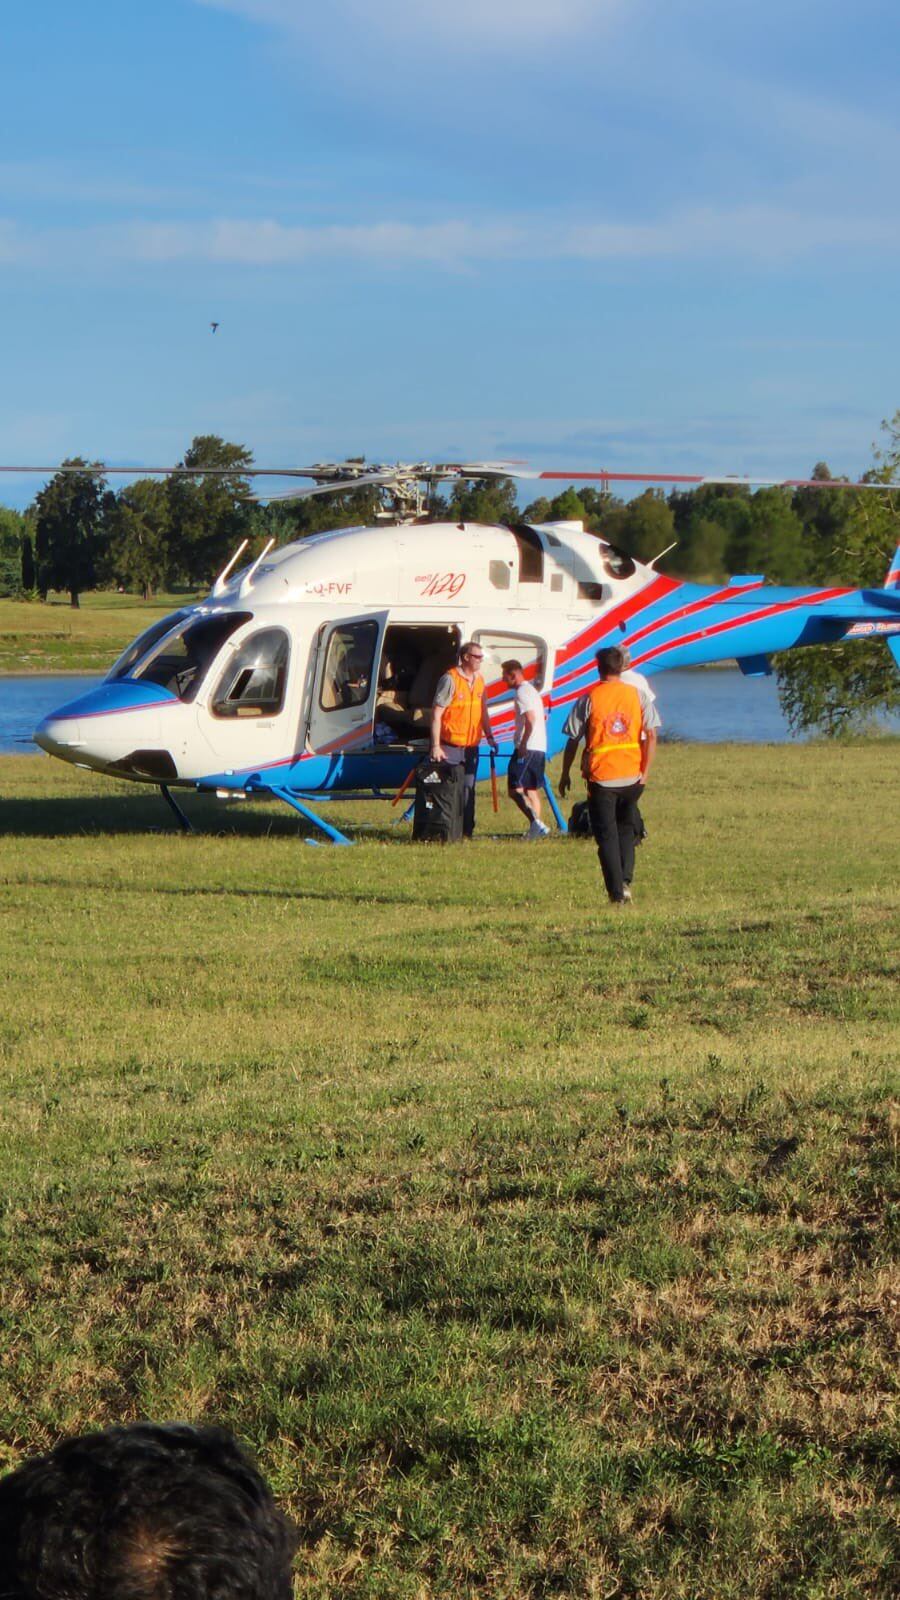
pixel 165 534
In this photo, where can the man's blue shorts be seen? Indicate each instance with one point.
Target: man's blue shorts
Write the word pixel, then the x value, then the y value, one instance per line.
pixel 527 771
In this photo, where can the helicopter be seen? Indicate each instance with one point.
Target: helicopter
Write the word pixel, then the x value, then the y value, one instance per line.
pixel 308 674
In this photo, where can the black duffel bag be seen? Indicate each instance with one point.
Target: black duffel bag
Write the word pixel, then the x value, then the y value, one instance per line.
pixel 580 822
pixel 440 794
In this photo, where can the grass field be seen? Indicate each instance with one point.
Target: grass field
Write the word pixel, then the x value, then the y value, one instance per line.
pixel 55 637
pixel 536 1249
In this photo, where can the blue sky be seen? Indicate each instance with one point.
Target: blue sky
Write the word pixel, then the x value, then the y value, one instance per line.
pixel 597 233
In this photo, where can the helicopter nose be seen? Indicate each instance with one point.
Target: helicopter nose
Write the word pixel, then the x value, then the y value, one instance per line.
pixel 59 737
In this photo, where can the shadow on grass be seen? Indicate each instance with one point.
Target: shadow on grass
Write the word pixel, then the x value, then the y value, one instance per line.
pixel 228 891
pixel 146 812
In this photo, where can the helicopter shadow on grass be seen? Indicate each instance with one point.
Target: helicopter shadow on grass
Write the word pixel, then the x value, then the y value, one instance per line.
pixel 59 817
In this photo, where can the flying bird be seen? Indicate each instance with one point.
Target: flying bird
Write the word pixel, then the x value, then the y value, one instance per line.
pixel 214 326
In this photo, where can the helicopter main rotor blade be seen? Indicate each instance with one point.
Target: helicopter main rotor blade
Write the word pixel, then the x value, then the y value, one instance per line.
pixel 699 480
pixel 99 470
pixel 335 477
pixel 336 486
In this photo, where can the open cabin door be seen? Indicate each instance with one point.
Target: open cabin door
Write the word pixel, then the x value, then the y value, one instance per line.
pixel 342 709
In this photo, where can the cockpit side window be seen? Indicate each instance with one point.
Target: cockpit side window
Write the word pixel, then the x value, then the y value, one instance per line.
pixel 617 563
pixel 182 660
pixel 253 682
pixel 144 642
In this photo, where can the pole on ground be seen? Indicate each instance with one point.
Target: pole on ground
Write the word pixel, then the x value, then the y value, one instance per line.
pixel 554 806
pixel 404 785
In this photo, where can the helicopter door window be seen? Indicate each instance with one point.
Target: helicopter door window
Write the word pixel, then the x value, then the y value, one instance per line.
pixel 252 684
pixel 500 647
pixel 349 666
pixel 182 660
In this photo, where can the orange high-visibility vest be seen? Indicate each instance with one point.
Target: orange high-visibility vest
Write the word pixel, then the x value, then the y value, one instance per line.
pixel 461 721
pixel 613 741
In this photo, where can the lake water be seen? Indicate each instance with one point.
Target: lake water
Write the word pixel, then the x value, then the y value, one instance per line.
pixel 713 706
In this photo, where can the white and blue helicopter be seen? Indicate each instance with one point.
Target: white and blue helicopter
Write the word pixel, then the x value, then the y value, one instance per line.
pixel 309 674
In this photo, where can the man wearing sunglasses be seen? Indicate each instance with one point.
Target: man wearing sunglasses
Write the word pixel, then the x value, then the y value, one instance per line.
pixel 459 719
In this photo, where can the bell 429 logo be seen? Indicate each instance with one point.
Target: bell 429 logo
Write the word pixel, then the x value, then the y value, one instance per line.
pixel 446 583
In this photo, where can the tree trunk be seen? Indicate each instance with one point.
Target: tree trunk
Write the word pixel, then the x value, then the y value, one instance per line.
pixel 73 595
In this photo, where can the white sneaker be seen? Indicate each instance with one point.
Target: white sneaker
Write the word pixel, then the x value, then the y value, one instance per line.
pixel 538 830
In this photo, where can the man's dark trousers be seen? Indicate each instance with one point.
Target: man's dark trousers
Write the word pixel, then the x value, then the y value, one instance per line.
pixel 615 825
pixel 471 770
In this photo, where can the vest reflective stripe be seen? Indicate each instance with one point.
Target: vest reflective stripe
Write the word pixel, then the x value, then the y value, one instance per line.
pixel 461 721
pixel 613 745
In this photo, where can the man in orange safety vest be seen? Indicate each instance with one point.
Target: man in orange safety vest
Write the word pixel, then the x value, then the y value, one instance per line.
pixel 618 722
pixel 459 717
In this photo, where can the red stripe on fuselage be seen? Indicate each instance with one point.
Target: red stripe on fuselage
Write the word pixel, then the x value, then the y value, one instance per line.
pixel 116 711
pixel 697 605
pixel 614 618
pixel 813 599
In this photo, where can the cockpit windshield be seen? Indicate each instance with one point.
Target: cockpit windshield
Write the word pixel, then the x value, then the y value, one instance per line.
pixel 144 642
pixel 180 659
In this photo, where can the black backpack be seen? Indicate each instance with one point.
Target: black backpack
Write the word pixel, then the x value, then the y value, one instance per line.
pixel 580 822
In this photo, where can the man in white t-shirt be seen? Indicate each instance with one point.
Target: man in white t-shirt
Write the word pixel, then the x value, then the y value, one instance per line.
pixel 636 679
pixel 526 766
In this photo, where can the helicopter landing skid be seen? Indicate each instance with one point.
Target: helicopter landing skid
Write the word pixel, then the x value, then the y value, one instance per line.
pixel 184 824
pixel 334 834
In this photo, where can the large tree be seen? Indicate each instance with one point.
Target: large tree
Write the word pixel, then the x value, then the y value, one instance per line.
pixel 297 519
pixel 209 512
pixel 12 530
pixel 12 526
pixel 485 500
pixel 834 688
pixel 140 553
pixel 70 528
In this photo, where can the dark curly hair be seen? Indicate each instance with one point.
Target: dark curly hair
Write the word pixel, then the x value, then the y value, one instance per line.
pixel 147 1512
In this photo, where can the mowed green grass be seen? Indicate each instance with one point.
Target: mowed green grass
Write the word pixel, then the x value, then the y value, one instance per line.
pixel 38 637
pixel 535 1248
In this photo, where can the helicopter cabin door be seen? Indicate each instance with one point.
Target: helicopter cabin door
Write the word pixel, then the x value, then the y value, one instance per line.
pixel 342 708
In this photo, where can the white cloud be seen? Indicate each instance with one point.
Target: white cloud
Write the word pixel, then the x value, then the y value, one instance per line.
pixel 767 235
pixel 462 23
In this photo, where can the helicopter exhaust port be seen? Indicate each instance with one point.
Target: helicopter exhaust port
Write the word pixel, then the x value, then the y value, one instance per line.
pixel 156 764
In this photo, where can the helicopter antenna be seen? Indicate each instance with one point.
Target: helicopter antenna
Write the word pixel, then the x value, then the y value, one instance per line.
pixel 247 584
pixel 219 584
pixel 662 553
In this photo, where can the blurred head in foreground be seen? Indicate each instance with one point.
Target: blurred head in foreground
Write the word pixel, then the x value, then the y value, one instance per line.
pixel 148 1512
